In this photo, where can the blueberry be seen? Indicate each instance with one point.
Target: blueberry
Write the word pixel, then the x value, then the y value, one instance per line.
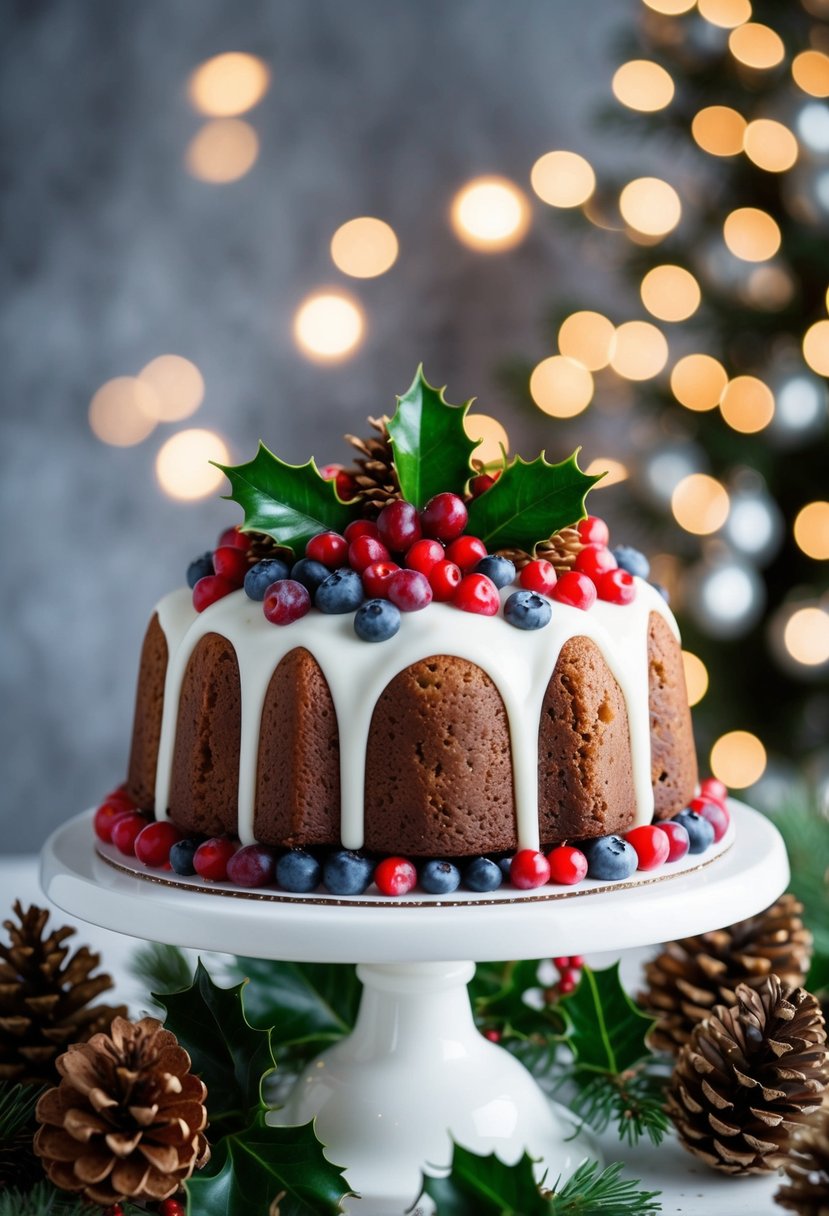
pixel 376 620
pixel 347 873
pixel 611 858
pixel 181 856
pixel 500 569
pixel 527 610
pixel 200 567
pixel 632 560
pixel 700 831
pixel 298 871
pixel 440 877
pixel 342 591
pixel 663 591
pixel 260 577
pixel 504 864
pixel 482 874
pixel 309 573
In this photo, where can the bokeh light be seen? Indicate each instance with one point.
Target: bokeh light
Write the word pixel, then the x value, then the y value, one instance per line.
pixel 670 8
pixel 757 46
pixel 563 179
pixel 491 434
pixel 328 325
pixel 650 205
pixel 770 145
pixel 670 293
pixel 806 636
pixel 698 381
pixel 490 214
pixel 810 70
pixel 123 411
pixel 811 530
pixel 747 404
pixel 561 387
pixel 614 471
pixel 700 504
pixel 738 759
pixel 177 384
pixel 640 351
pixel 812 125
pixel 364 247
pixel 228 84
pixel 183 465
pixel 768 287
pixel 719 130
pixel 751 234
pixel 223 150
pixel 696 677
pixel 816 347
pixel 587 337
pixel 727 14
pixel 641 84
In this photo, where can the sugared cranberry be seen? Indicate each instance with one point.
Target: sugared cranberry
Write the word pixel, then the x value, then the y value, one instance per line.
pixel 466 552
pixel 153 843
pixel 399 526
pixel 211 857
pixel 376 579
pixel 714 812
pixel 575 589
pixel 395 876
pixel 651 845
pixel 593 531
pixel 106 817
pixel 539 576
pixel 714 789
pixel 231 563
pixel 444 517
pixel 616 587
pixel 477 594
pixel 364 551
pixel 444 579
pixel 234 538
pixel 409 590
pixel 329 548
pixel 211 588
pixel 679 841
pixel 252 866
pixel 286 601
pixel 424 555
pixel 361 527
pixel 529 869
pixel 594 560
pixel 480 484
pixel 125 831
pixel 568 866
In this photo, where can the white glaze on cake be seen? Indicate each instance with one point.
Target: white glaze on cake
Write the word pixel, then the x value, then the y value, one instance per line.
pixel 519 663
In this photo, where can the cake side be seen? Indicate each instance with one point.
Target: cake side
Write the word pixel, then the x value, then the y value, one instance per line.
pixel 673 755
pixel 147 718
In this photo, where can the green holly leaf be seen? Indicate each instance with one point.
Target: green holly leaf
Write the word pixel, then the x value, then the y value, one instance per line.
pixel 231 1057
pixel 289 502
pixel 304 1004
pixel 263 1169
pixel 605 1029
pixel 529 502
pixel 432 450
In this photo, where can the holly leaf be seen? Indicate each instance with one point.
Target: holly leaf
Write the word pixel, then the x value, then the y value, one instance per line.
pixel 529 502
pixel 485 1186
pixel 289 502
pixel 231 1057
pixel 280 1171
pixel 303 1004
pixel 605 1029
pixel 432 451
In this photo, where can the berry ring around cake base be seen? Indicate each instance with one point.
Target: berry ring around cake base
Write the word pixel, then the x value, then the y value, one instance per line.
pixel 415 1072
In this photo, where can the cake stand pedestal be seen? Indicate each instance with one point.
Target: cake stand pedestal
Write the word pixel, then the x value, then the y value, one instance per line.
pixel 415 1072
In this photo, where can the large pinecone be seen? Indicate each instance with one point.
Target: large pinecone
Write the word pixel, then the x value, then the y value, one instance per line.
pixel 561 550
pixel 45 996
pixel 373 472
pixel 127 1119
pixel 689 977
pixel 807 1169
pixel 749 1077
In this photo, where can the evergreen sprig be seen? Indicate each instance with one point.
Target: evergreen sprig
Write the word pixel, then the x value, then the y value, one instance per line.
pixel 44 1199
pixel 161 968
pixel 17 1108
pixel 633 1100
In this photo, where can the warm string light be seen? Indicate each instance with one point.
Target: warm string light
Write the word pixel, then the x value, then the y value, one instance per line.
pixel 727 14
pixel 670 8
pixel 696 677
pixel 228 84
pixel 639 351
pixel 811 530
pixel 810 71
pixel 719 130
pixel 494 440
pixel 183 464
pixel 700 504
pixel 364 247
pixel 643 85
pixel 756 46
pixel 698 381
pixel 738 759
pixel 806 636
pixel 816 347
pixel 563 179
pixel 670 293
pixel 223 150
pixel 614 471
pixel 751 234
pixel 124 411
pixel 561 387
pixel 490 214
pixel 328 326
pixel 770 145
pixel 747 404
pixel 588 338
pixel 177 384
pixel 650 206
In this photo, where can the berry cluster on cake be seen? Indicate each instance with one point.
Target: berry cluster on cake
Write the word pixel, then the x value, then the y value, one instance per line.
pixel 421 671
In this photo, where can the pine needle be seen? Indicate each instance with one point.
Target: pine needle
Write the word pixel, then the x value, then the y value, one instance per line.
pixel 592 1191
pixel 162 969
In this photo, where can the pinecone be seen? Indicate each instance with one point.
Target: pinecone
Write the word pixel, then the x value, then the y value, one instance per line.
pixel 689 977
pixel 127 1119
pixel 373 471
pixel 45 997
pixel 263 546
pixel 807 1188
pixel 561 549
pixel 750 1076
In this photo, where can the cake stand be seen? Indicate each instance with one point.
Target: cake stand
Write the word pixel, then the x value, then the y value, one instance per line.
pixel 415 1072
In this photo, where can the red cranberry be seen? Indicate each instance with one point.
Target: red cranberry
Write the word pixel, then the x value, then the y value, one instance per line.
pixel 424 555
pixel 480 484
pixel 444 517
pixel 538 575
pixel 209 589
pixel 286 601
pixel 395 876
pixel 616 587
pixel 594 560
pixel 252 866
pixel 171 1207
pixel 715 813
pixel 466 552
pixel 361 527
pixel 399 526
pixel 593 531
pixel 231 563
pixel 568 866
pixel 119 793
pixel 529 869
pixel 714 789
pixel 364 551
pixel 125 831
pixel 345 485
pixel 376 579
pixel 477 594
pixel 153 843
pixel 329 548
pixel 444 579
pixel 679 841
pixel 234 538
pixel 575 589
pixel 409 590
pixel 106 816
pixel 651 845
pixel 211 857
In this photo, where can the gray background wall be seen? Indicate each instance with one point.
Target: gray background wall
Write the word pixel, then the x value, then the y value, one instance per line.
pixel 113 254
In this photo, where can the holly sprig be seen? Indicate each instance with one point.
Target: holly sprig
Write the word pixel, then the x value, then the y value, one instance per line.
pixel 432 451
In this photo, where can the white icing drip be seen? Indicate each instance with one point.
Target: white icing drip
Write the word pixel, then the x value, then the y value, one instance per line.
pixel 519 663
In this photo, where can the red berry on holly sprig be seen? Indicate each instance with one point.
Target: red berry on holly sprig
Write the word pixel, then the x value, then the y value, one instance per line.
pixel 329 548
pixel 153 843
pixel 568 981
pixel 594 560
pixel 593 531
pixel 376 579
pixel 424 555
pixel 477 594
pixel 125 831
pixel 576 590
pixel 171 1207
pixel 538 575
pixel 444 579
pixel 211 588
pixel 444 517
pixel 483 482
pixel 529 869
pixel 493 1035
pixel 399 526
pixel 616 587
pixel 211 857
pixel 466 552
pixel 231 563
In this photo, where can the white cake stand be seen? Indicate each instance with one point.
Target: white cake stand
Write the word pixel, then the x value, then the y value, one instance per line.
pixel 415 1072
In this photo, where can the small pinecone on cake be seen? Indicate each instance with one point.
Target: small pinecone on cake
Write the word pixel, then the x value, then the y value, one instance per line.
pixel 373 472
pixel 45 997
pixel 806 1190
pixel 689 977
pixel 749 1077
pixel 263 546
pixel 561 550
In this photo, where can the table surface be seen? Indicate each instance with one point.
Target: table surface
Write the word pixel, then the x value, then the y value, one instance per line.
pixel 688 1188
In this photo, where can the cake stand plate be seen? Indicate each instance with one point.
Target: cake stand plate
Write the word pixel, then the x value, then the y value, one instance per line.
pixel 415 1072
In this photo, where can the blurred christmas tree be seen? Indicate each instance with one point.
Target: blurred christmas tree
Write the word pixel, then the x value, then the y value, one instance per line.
pixel 725 242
